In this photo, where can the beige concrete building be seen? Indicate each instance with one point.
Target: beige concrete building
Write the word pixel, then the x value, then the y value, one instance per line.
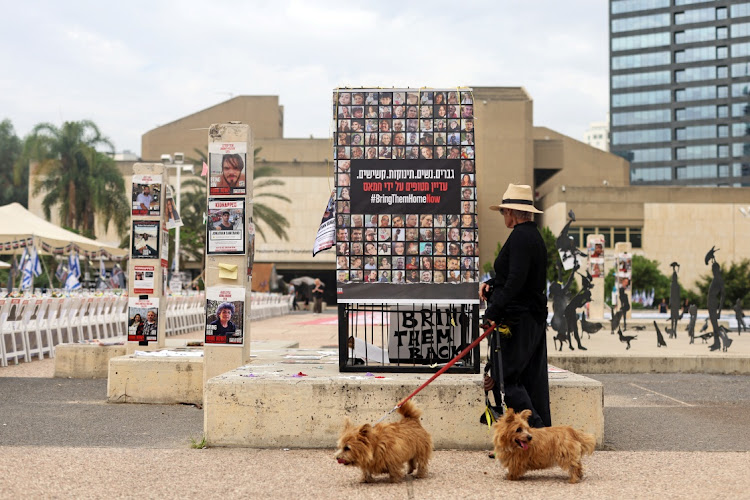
pixel 664 223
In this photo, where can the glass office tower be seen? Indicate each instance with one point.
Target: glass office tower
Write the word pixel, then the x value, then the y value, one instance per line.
pixel 680 90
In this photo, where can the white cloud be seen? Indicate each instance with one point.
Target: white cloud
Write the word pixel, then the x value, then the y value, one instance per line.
pixel 131 66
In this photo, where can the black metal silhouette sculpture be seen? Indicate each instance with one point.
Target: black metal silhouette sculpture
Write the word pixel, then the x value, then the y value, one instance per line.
pixel 693 311
pixel 715 299
pixel 614 323
pixel 588 326
pixel 674 301
pixel 659 337
pixel 571 317
pixel 565 243
pixel 638 328
pixel 624 302
pixel 559 295
pixel 740 315
pixel 626 338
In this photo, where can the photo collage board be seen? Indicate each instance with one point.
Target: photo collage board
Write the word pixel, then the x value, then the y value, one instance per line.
pixel 405 186
pixel 229 232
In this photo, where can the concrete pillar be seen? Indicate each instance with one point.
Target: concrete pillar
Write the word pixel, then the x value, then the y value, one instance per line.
pixel 149 241
pixel 228 266
pixel 624 249
pixel 596 263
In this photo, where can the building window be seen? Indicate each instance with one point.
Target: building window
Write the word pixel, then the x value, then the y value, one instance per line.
pixel 722 111
pixel 722 72
pixel 635 237
pixel 723 150
pixel 722 130
pixel 721 13
pixel 723 170
pixel 721 32
pixel 722 52
pixel 619 235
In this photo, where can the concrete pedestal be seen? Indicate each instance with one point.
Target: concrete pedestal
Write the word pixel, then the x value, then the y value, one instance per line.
pixel 274 406
pixel 85 360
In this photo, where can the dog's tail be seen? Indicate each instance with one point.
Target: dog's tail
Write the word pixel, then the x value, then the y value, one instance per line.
pixel 588 442
pixel 409 410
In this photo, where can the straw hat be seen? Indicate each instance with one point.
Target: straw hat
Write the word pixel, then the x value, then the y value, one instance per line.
pixel 518 197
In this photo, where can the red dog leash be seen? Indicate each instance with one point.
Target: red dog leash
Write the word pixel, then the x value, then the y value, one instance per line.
pixel 443 369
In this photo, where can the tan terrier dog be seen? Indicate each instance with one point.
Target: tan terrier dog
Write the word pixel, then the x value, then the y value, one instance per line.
pixel 385 448
pixel 521 448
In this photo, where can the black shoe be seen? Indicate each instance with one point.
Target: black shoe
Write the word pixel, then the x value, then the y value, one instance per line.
pixel 715 347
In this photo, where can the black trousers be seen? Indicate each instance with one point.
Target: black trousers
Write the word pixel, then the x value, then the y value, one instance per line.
pixel 524 355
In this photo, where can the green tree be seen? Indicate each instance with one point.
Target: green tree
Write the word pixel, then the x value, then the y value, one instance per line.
pixel 76 178
pixel 646 276
pixel 11 189
pixel 736 284
pixel 193 206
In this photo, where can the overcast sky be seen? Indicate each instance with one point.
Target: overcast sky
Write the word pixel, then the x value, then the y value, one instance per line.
pixel 132 66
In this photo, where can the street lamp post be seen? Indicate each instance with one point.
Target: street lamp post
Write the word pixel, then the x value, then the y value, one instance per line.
pixel 178 163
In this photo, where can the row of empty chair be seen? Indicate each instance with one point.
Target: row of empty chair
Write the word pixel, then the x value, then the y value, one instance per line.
pixel 31 327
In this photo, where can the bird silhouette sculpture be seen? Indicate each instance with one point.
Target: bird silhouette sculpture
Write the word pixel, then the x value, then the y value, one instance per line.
pixel 589 326
pixel 638 328
pixel 626 338
pixel 615 321
pixel 659 337
pixel 705 336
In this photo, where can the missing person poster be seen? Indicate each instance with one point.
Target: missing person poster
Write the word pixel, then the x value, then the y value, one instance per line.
pixel 225 312
pixel 226 226
pixel 250 248
pixel 326 236
pixel 143 279
pixel 595 246
pixel 143 319
pixel 145 239
pixel 146 194
pixel 406 196
pixel 427 336
pixel 227 162
pixel 164 246
pixel 173 216
pixel 624 270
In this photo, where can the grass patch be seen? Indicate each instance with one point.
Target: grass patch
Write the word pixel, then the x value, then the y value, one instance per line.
pixel 198 444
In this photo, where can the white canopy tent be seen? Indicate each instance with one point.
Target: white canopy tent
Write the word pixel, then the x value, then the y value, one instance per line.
pixel 19 228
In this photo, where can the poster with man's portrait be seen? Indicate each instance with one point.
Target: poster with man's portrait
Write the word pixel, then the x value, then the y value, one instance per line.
pixel 227 168
pixel 146 195
pixel 145 239
pixel 143 319
pixel 225 312
pixel 595 247
pixel 226 226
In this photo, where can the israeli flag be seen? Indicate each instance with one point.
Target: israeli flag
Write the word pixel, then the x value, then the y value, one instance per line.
pixel 26 274
pixel 36 263
pixel 102 270
pixel 74 265
pixel 72 283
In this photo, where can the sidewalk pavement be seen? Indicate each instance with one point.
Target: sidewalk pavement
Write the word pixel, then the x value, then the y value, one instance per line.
pixel 158 470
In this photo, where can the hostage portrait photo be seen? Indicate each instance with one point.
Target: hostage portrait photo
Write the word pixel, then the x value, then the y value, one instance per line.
pixel 226 226
pixel 227 173
pixel 145 240
pixel 225 309
pixel 143 320
pixel 146 195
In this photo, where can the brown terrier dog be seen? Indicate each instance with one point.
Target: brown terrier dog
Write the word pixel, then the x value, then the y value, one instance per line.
pixel 521 448
pixel 384 448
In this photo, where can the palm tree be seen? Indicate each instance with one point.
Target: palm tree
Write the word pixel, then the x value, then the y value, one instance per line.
pixel 75 177
pixel 263 215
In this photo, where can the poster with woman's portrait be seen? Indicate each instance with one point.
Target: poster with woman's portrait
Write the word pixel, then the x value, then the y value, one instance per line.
pixel 226 226
pixel 145 239
pixel 227 168
pixel 146 195
pixel 173 217
pixel 143 319
pixel 225 312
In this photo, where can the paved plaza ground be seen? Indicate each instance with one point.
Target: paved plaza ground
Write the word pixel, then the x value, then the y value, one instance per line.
pixel 666 436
